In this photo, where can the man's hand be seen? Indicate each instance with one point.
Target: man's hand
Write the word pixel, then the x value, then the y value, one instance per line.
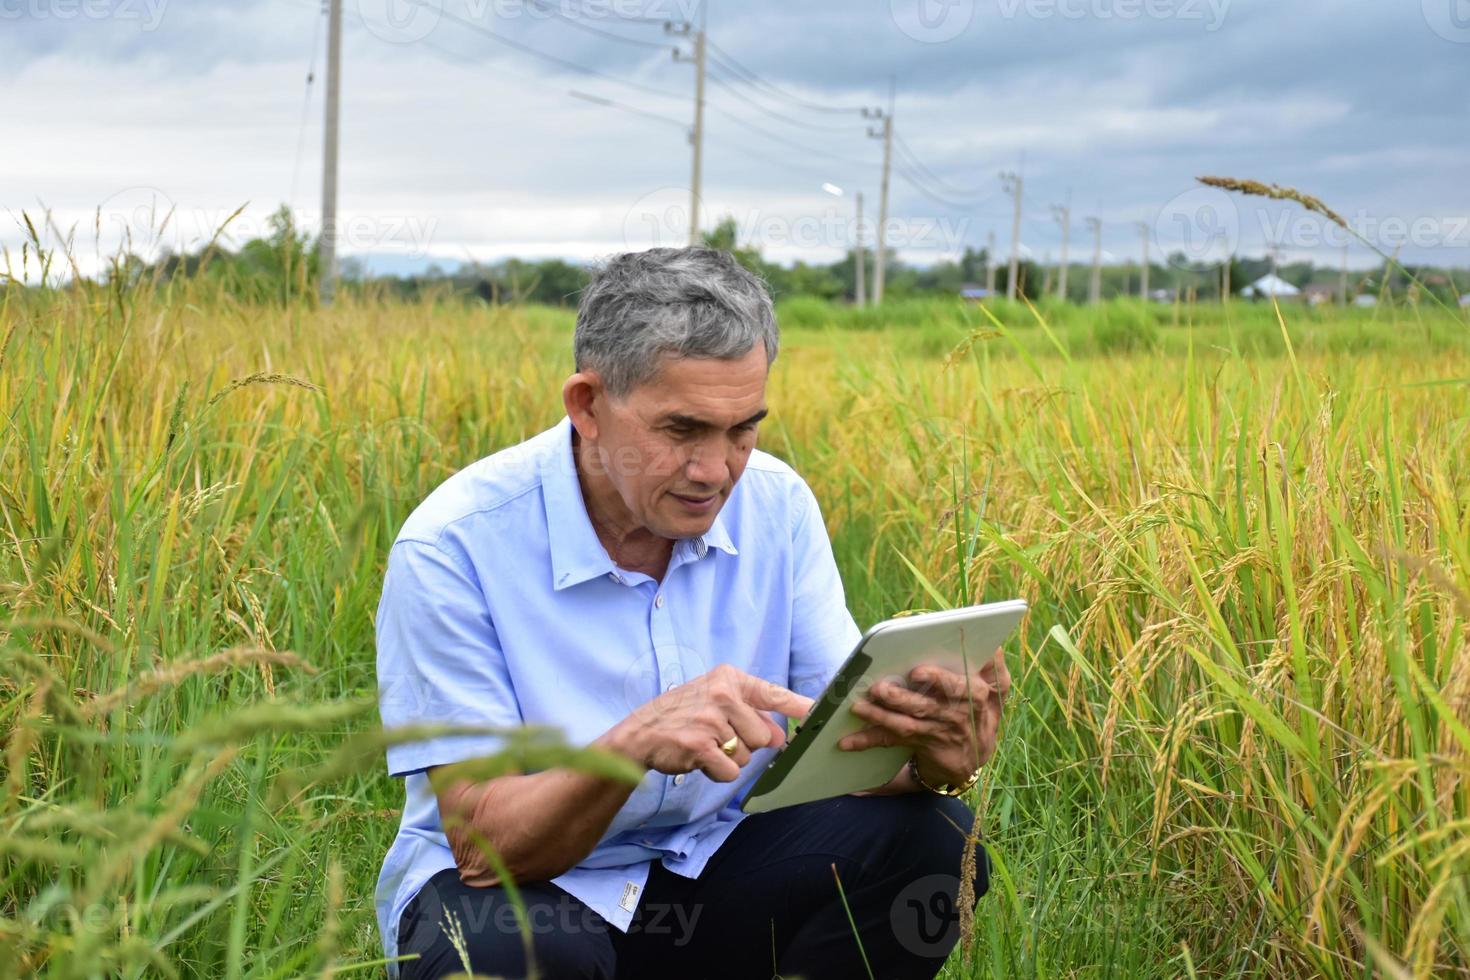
pixel 682 730
pixel 949 720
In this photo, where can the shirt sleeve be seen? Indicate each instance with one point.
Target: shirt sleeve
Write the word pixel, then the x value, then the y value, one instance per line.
pixel 823 632
pixel 439 658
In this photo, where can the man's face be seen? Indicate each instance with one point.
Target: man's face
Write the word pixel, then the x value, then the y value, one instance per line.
pixel 675 446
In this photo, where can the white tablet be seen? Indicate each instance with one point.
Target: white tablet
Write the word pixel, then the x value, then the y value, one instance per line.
pixel 811 767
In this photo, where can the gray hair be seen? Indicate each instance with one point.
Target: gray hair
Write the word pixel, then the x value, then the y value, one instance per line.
pixel 688 302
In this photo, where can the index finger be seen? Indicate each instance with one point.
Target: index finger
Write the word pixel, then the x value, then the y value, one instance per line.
pixel 763 694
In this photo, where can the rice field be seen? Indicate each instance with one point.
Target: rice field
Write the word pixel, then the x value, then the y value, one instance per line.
pixel 1239 740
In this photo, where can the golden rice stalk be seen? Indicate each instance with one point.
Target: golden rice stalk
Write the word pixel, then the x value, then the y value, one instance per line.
pixel 1276 192
pixel 329 940
pixel 165 677
pixel 272 717
pixel 968 870
pixel 21 741
pixel 261 378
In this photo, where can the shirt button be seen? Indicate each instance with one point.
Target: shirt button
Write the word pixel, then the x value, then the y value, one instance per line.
pixel 679 779
pixel 658 601
pixel 670 686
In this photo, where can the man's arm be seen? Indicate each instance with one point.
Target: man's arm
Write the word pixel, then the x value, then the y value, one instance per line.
pixel 542 824
pixel 539 824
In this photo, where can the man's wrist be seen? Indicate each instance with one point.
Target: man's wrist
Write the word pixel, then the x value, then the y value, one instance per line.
pixel 619 740
pixel 945 785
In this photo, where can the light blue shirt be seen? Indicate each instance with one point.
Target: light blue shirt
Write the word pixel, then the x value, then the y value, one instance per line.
pixel 501 607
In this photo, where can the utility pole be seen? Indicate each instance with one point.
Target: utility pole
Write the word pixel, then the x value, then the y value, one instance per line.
pixel 1063 214
pixel 327 243
pixel 862 260
pixel 1143 280
pixel 880 260
pixel 1342 284
pixel 1094 285
pixel 696 135
pixel 990 265
pixel 1014 185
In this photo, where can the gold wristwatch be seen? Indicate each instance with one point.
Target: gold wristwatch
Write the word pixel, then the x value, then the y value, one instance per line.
pixel 943 789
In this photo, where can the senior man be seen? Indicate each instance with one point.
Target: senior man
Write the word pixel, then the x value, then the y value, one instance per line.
pixel 644 579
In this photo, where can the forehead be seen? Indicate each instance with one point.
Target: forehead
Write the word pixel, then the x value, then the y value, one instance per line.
pixel 716 390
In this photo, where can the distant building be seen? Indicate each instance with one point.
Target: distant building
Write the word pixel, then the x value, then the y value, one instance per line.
pixel 1270 285
pixel 1161 295
pixel 1465 300
pixel 1365 299
pixel 975 294
pixel 1319 294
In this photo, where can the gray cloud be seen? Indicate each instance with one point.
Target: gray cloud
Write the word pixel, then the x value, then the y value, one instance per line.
pixel 1110 104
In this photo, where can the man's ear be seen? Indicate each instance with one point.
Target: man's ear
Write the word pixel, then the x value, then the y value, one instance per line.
pixel 582 396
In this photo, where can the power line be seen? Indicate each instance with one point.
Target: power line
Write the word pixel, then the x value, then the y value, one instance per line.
pixel 793 144
pixel 726 83
pixel 917 184
pixel 316 37
pixel 947 186
pixel 582 25
pixel 752 78
pixel 623 107
pixel 545 56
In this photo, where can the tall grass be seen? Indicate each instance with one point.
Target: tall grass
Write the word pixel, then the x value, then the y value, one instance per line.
pixel 1239 732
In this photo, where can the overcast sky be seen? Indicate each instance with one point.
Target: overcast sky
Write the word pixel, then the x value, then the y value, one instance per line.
pixel 458 145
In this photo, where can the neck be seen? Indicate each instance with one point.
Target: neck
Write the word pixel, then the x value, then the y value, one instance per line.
pixel 629 543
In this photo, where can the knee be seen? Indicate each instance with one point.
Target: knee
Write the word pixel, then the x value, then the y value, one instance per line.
pixel 938 827
pixel 446 926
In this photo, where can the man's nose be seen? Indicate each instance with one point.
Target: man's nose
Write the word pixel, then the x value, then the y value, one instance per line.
pixel 708 467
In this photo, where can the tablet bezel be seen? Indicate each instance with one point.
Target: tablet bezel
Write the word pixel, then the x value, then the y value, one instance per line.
pixel 853 669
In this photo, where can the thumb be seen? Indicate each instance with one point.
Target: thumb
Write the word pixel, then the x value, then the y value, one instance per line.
pixel 778 732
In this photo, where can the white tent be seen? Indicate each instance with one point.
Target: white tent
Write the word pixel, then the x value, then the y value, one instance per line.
pixel 1270 285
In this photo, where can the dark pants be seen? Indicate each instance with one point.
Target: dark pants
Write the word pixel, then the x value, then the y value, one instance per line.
pixel 767 904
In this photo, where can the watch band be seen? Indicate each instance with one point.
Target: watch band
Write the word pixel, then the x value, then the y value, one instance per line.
pixel 943 789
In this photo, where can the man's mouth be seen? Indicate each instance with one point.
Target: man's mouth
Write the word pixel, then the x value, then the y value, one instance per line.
pixel 696 503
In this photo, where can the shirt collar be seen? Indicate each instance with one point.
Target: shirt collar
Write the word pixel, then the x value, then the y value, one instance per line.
pixel 576 553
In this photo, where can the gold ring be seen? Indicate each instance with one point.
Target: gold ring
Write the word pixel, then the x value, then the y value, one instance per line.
pixel 730 745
